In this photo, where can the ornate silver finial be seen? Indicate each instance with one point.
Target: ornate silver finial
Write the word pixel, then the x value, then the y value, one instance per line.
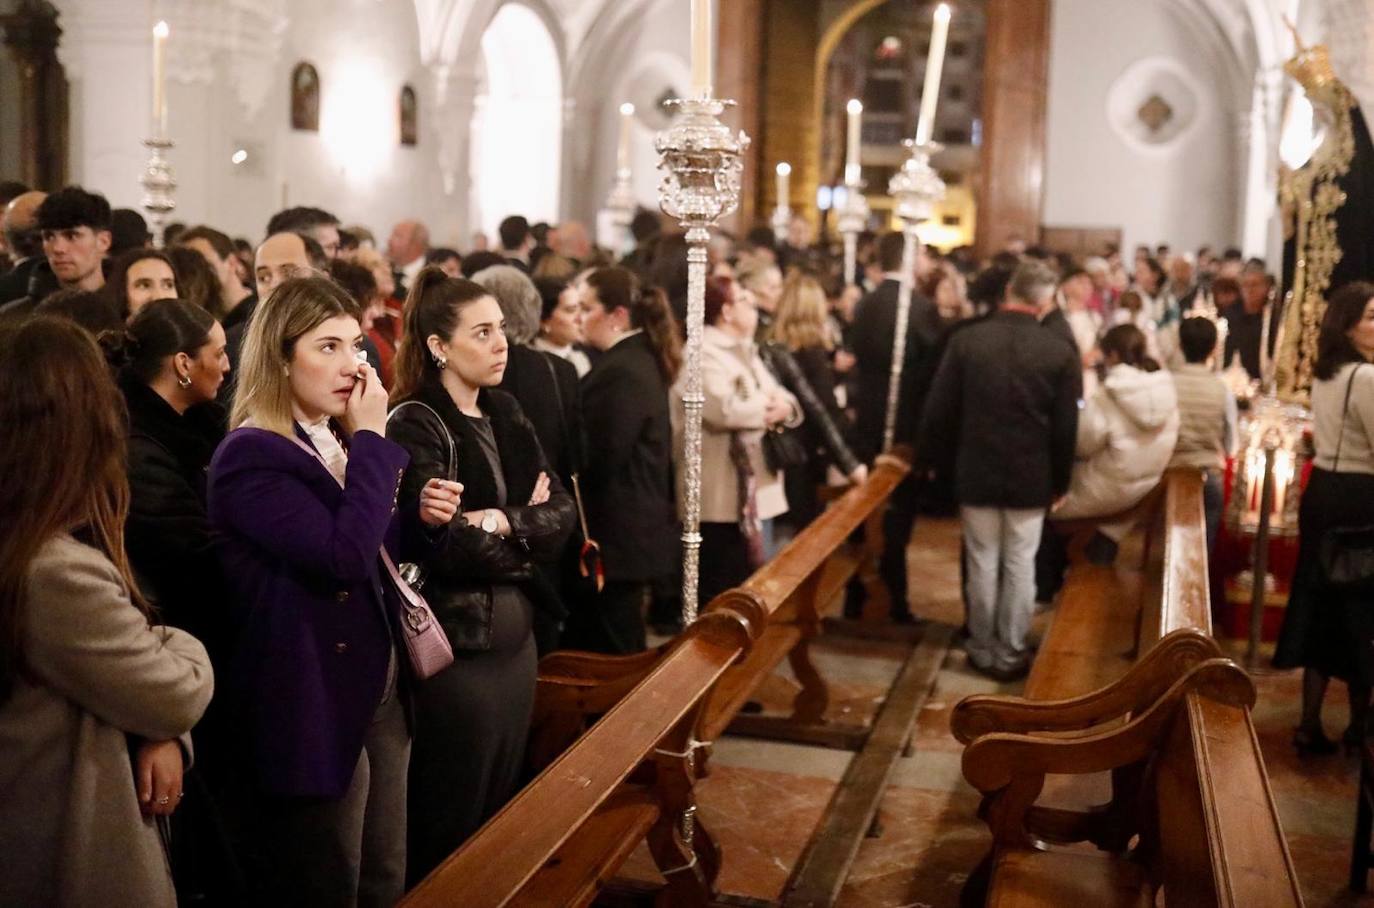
pixel 701 160
pixel 915 189
pixel 159 186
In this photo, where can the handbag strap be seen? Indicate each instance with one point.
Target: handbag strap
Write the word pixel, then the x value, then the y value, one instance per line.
pixel 1345 410
pixel 443 427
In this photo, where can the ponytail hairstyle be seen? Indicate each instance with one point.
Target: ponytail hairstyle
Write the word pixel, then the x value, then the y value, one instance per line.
pixel 1128 343
pixel 619 288
pixel 161 329
pixel 434 307
pixel 56 397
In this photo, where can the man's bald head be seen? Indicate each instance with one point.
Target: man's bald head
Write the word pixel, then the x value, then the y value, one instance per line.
pixel 281 256
pixel 22 236
pixel 409 241
pixel 573 241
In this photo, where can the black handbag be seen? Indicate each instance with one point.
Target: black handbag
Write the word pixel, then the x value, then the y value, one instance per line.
pixel 783 449
pixel 1346 554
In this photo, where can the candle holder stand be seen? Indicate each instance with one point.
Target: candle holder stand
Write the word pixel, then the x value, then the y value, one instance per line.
pixel 914 189
pixel 620 205
pixel 852 218
pixel 701 159
pixel 159 186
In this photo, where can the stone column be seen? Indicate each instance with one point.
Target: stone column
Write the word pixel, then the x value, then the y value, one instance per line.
pixel 30 35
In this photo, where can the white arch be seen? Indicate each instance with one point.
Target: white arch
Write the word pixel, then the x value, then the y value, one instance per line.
pixel 518 121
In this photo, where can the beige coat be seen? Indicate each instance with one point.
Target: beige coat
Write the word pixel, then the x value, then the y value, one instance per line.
pixel 71 833
pixel 736 384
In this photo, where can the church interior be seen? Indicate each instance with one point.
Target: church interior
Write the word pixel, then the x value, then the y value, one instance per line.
pixel 797 735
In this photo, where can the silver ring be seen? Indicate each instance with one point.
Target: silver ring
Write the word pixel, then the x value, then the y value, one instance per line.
pixel 163 801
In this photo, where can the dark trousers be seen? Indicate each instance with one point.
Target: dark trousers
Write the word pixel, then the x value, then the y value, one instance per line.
pixel 724 560
pixel 899 519
pixel 350 850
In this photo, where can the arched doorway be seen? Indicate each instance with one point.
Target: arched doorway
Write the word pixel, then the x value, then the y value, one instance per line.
pixel 517 124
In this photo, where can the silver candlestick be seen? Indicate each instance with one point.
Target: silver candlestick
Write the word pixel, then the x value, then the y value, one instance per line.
pixel 851 220
pixel 159 185
pixel 782 218
pixel 701 160
pixel 621 203
pixel 914 189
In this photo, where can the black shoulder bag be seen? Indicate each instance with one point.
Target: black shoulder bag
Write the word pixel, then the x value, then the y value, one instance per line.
pixel 1346 554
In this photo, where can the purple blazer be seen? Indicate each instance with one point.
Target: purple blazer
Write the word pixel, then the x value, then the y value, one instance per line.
pixel 313 625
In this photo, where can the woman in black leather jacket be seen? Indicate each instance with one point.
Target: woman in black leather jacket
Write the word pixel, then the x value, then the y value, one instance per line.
pixel 798 351
pixel 479 504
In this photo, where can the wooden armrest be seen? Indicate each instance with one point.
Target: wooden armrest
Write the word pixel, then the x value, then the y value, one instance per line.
pixel 1143 684
pixel 575 666
pixel 1010 769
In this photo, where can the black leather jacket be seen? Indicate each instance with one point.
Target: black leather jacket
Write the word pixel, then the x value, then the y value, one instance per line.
pixel 463 563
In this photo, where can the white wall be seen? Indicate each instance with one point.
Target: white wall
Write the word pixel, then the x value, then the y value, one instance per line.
pixel 1186 194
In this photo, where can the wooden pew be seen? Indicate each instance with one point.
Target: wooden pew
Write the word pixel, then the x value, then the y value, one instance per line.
pixel 624 735
pixel 785 599
pixel 628 778
pixel 1190 811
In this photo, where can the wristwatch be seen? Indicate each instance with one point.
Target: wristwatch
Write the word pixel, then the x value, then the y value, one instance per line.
pixel 489 521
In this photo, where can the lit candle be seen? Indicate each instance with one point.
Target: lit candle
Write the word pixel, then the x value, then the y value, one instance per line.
pixel 935 64
pixel 160 33
pixel 784 171
pixel 622 157
pixel 701 48
pixel 852 169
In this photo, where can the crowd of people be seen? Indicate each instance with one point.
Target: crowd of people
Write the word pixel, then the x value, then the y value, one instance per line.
pixel 233 469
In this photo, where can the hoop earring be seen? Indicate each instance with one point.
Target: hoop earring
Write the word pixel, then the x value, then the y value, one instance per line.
pixel 184 381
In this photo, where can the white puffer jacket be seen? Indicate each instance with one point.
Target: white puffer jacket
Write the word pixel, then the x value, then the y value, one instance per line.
pixel 1126 435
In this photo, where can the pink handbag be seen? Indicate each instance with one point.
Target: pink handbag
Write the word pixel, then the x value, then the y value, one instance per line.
pixel 426 643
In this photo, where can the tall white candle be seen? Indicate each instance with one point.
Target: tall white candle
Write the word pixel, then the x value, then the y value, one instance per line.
pixel 784 171
pixel 622 157
pixel 935 64
pixel 701 48
pixel 160 33
pixel 852 169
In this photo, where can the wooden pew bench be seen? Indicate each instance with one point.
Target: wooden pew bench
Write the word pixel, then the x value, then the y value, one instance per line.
pixel 1188 811
pixel 619 739
pixel 785 599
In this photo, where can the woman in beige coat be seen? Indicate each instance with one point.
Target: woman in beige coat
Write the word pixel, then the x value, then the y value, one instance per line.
pixel 93 699
pixel 740 495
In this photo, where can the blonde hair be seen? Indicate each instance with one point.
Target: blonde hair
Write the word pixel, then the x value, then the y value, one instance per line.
pixel 295 308
pixel 801 319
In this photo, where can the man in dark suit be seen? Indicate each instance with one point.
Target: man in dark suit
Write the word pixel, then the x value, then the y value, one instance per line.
pixel 871 338
pixel 24 242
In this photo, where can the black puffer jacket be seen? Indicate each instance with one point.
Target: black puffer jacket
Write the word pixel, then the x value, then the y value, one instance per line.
pixel 463 562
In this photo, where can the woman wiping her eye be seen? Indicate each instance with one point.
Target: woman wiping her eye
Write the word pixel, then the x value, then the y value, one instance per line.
pixel 302 492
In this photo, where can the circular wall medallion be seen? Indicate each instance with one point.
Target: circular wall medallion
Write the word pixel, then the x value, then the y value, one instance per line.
pixel 1154 104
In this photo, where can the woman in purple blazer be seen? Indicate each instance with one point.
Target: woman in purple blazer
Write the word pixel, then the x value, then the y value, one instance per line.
pixel 303 494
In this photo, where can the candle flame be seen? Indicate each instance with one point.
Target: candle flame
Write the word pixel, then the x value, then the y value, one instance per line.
pixel 784 169
pixel 943 12
pixel 627 109
pixel 855 106
pixel 161 30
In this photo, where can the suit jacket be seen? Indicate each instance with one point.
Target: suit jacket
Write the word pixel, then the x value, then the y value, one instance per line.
pixel 15 282
pixel 627 482
pixel 1004 408
pixel 314 621
pixel 71 833
pixel 875 323
pixel 546 388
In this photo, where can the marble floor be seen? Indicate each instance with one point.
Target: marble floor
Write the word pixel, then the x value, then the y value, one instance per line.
pixel 762 799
